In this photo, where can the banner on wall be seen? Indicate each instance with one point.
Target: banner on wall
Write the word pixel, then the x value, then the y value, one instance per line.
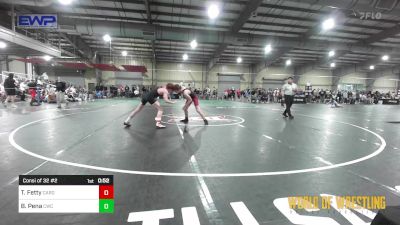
pixel 35 21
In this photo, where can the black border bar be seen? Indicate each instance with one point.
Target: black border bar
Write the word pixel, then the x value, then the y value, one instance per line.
pixel 66 179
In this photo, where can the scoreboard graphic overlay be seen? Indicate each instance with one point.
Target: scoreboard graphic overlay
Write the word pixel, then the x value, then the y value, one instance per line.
pixel 66 194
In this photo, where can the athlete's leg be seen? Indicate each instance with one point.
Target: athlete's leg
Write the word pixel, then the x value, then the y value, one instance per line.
pixel 133 114
pixel 198 110
pixel 201 113
pixel 185 109
pixel 159 114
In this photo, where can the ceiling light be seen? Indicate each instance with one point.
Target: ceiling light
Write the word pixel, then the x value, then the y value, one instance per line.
pixel 239 59
pixel 268 49
pixel 288 62
pixel 328 24
pixel 107 38
pixel 193 44
pixel 371 67
pixel 2 44
pixel 47 58
pixel 213 11
pixel 333 64
pixel 331 53
pixel 65 2
pixel 185 57
pixel 385 57
pixel 124 53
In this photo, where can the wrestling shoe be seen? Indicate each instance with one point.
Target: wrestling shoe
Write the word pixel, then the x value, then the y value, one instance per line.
pixel 160 126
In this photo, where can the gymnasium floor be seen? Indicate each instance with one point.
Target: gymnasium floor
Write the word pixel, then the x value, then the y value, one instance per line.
pixel 249 156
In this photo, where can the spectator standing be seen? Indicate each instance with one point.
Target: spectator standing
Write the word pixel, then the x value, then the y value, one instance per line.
pixel 126 91
pixel 23 87
pixel 9 87
pixel 345 97
pixel 280 97
pixel 60 92
pixel 339 96
pixel 322 94
pixel 358 96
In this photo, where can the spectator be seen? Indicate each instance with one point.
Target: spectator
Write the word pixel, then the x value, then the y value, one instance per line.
pixel 126 91
pixel 322 95
pixel 60 92
pixel 23 87
pixel 345 97
pixel 9 86
pixel 358 96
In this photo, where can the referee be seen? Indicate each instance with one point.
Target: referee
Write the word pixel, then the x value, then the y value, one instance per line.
pixel 289 89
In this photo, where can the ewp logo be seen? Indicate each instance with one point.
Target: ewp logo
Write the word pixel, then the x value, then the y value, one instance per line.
pixel 37 21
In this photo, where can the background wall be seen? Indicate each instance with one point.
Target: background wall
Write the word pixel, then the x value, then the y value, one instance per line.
pixel 354 78
pixel 180 73
pixel 195 75
pixel 230 69
pixel 90 77
pixel 75 77
pixel 16 66
pixel 385 83
pixel 317 78
pixel 272 77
